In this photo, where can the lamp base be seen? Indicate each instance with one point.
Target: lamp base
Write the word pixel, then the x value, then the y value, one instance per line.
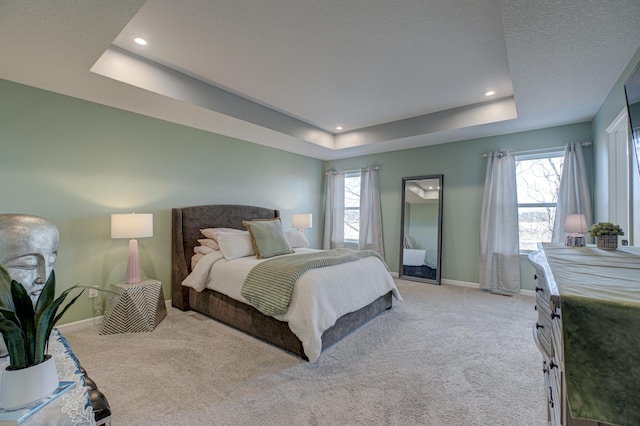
pixel 133 263
pixel 575 240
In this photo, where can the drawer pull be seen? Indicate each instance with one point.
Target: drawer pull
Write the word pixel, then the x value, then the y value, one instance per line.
pixel 539 289
pixel 539 326
pixel 551 396
pixel 535 277
pixel 554 315
pixel 535 307
pixel 552 365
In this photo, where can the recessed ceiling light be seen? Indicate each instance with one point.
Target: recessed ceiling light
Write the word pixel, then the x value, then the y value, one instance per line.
pixel 338 127
pixel 140 41
pixel 490 93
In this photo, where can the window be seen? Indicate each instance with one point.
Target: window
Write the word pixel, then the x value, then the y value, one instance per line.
pixel 538 182
pixel 351 207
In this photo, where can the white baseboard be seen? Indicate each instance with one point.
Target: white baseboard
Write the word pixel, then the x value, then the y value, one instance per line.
pixel 79 325
pixel 91 322
pixel 476 286
pixel 460 283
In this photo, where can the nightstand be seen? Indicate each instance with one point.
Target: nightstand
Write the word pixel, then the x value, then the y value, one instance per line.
pixel 138 307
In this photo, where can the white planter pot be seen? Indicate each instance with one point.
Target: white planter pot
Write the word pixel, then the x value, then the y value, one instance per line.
pixel 21 388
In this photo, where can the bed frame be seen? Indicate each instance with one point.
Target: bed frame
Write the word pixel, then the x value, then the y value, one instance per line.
pixel 186 225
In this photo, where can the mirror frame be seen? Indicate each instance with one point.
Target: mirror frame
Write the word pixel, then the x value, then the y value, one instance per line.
pixel 632 97
pixel 402 229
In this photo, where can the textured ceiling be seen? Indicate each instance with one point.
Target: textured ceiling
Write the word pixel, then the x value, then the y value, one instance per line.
pixel 284 73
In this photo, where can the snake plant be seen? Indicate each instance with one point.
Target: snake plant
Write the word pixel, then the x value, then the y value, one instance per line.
pixel 26 329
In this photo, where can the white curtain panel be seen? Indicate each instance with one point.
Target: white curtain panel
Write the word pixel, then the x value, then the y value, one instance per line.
pixel 370 237
pixel 334 211
pixel 573 195
pixel 499 242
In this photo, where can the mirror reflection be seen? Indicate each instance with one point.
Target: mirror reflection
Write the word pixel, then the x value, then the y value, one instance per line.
pixel 421 229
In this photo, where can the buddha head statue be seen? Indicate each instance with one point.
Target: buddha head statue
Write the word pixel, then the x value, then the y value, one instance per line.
pixel 28 250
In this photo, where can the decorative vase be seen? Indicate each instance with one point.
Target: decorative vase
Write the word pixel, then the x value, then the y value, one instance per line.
pixel 609 242
pixel 24 387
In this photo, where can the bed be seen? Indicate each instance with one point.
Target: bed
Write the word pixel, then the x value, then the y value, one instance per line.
pixel 419 263
pixel 186 225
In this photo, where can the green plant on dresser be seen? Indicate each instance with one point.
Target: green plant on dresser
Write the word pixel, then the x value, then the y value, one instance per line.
pixel 25 328
pixel 606 234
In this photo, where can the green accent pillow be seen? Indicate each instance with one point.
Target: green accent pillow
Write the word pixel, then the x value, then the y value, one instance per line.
pixel 268 237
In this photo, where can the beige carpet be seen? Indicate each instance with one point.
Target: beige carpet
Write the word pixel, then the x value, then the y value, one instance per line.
pixel 447 355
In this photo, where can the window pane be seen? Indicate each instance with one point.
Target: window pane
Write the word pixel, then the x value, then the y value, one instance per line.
pixel 536 225
pixel 351 206
pixel 351 224
pixel 539 179
pixel 352 191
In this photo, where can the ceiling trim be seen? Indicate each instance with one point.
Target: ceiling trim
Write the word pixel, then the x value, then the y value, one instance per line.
pixel 124 66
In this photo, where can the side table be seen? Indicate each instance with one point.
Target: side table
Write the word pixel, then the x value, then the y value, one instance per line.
pixel 138 307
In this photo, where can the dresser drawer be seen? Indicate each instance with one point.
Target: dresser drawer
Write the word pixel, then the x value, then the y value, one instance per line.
pixel 544 325
pixel 555 393
pixel 544 345
pixel 542 287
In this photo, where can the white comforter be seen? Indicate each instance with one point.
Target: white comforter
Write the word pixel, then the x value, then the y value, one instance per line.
pixel 418 257
pixel 320 296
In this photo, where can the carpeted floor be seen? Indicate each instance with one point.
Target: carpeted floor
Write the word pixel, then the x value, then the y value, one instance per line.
pixel 446 355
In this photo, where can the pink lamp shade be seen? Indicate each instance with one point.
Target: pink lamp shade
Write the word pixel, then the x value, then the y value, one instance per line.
pixel 575 225
pixel 132 226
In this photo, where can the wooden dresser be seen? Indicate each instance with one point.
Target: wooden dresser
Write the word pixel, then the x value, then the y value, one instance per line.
pixel 588 303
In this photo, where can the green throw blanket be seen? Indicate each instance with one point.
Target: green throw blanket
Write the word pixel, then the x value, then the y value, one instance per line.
pixel 269 285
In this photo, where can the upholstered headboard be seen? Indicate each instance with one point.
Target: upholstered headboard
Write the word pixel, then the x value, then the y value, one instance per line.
pixel 186 223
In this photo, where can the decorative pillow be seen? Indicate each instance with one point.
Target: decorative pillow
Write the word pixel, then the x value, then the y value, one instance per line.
pixel 212 232
pixel 268 237
pixel 203 249
pixel 207 242
pixel 296 239
pixel 234 245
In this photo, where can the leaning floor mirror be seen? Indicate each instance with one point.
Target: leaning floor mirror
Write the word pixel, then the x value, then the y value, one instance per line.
pixel 421 228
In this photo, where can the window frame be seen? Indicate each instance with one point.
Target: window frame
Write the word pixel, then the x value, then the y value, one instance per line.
pixel 557 152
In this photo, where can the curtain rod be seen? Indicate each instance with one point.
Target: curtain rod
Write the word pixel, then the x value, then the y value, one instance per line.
pixel 332 170
pixel 533 151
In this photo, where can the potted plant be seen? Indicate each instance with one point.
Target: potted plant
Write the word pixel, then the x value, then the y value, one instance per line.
pixel 606 234
pixel 31 374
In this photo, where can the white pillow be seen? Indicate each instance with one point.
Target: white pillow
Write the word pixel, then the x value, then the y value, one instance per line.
pixel 234 245
pixel 296 238
pixel 212 232
pixel 194 260
pixel 203 250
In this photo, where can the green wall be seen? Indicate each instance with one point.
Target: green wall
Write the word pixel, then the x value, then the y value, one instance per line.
pixel 422 224
pixel 76 163
pixel 463 168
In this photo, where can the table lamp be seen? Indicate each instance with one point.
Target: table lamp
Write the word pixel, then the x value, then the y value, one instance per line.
pixel 132 226
pixel 575 225
pixel 301 221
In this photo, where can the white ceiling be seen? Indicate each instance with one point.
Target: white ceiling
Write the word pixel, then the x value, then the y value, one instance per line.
pixel 284 73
